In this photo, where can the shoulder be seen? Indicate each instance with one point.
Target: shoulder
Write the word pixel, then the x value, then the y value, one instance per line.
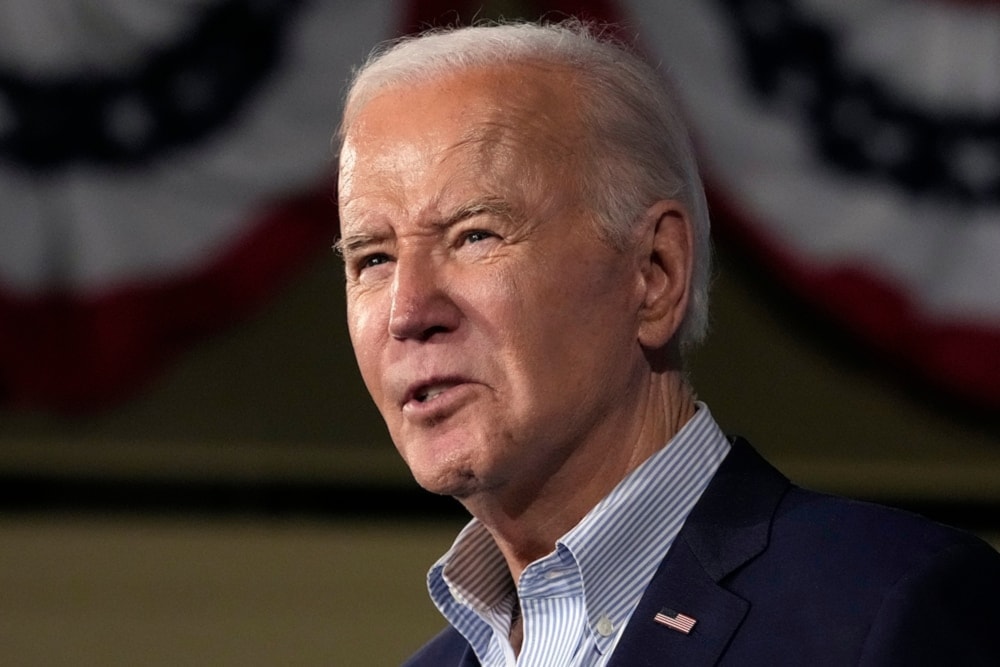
pixel 866 537
pixel 823 542
pixel 853 581
pixel 861 526
pixel 816 528
pixel 447 649
pixel 904 589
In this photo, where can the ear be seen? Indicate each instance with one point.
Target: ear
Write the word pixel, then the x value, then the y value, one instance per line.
pixel 667 247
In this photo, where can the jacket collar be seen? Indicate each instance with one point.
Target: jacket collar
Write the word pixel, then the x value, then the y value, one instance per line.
pixel 728 527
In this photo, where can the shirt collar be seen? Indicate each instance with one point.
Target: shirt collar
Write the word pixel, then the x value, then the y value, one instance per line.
pixel 620 543
pixel 617 546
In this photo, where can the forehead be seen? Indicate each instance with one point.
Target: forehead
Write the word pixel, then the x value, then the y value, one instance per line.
pixel 485 121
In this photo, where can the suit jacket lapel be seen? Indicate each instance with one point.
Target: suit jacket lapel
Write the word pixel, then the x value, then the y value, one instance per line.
pixel 727 527
pixel 469 659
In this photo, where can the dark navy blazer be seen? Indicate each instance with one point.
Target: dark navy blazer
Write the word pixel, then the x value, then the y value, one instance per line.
pixel 776 575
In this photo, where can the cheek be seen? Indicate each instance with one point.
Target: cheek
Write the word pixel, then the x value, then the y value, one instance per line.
pixel 367 334
pixel 575 327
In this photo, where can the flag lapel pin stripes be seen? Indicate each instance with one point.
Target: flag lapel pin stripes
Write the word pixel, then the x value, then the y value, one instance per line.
pixel 675 620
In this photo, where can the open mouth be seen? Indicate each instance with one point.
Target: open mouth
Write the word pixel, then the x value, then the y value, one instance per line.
pixel 429 393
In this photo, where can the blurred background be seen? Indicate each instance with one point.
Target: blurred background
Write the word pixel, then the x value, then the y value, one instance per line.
pixel 190 469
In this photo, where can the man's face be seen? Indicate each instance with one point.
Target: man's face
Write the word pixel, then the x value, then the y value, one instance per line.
pixel 494 329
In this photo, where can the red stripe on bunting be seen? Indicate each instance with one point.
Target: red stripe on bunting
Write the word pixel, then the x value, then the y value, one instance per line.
pixel 960 358
pixel 75 352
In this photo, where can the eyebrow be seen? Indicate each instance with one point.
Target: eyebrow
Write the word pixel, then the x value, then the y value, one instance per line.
pixel 489 205
pixel 349 244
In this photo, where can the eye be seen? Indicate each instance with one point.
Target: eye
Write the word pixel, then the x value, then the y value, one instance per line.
pixel 359 267
pixel 477 235
pixel 374 259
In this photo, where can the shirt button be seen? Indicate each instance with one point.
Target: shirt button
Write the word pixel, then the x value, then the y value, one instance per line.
pixel 604 626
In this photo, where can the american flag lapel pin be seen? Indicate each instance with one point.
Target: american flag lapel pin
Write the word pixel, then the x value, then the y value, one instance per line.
pixel 675 620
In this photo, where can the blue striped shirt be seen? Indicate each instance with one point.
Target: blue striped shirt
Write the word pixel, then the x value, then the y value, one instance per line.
pixel 576 600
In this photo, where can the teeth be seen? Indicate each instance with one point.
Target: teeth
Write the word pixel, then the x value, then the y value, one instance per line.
pixel 429 393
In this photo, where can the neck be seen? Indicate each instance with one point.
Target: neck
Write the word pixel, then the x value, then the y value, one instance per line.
pixel 526 523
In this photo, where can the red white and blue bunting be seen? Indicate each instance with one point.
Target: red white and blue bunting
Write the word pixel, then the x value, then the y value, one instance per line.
pixel 854 149
pixel 164 167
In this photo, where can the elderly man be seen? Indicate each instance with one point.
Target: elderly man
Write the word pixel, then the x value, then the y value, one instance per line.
pixel 526 246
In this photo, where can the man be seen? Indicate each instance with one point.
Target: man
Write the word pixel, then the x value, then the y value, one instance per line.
pixel 526 246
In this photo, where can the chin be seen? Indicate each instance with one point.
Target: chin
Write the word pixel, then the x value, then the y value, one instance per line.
pixel 459 483
pixel 444 466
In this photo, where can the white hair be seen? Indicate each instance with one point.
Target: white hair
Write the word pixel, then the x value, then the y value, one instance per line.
pixel 639 151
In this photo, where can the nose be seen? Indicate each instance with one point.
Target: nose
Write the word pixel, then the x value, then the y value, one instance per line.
pixel 421 304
